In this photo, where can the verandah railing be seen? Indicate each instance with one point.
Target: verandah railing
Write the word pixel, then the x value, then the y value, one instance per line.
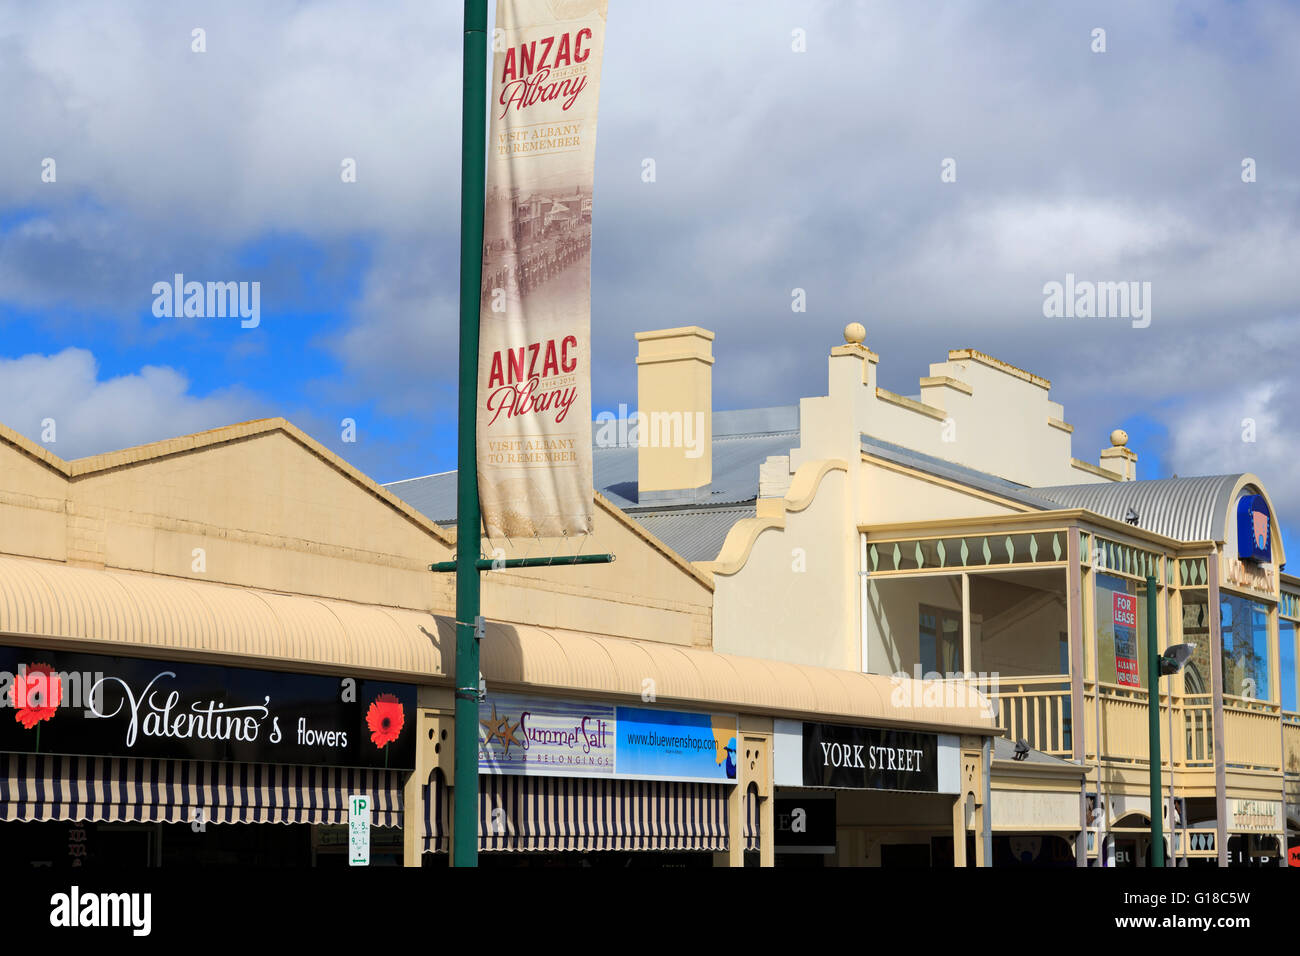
pixel 1038 710
pixel 1291 744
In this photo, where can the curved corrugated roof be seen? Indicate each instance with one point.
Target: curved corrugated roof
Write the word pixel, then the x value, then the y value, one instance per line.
pixel 118 612
pixel 1186 509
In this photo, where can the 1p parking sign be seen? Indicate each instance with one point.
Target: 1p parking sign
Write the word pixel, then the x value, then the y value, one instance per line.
pixel 359 830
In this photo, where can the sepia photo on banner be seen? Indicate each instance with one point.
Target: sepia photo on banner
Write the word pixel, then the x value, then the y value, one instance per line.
pixel 534 375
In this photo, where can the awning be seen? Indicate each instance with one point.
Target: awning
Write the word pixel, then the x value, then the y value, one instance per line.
pixel 437 813
pixel 116 612
pixel 132 790
pixel 560 813
pixel 570 813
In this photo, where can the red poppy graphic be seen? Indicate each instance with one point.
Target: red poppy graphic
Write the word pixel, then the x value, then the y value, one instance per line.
pixel 36 695
pixel 385 718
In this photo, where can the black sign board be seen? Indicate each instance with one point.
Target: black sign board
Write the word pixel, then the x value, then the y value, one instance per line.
pixel 869 758
pixel 805 824
pixel 83 704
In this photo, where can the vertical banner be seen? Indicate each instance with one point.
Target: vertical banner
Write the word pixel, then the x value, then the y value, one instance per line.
pixel 534 376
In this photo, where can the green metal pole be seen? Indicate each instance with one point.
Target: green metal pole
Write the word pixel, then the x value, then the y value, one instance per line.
pixel 473 154
pixel 1153 691
pixel 494 564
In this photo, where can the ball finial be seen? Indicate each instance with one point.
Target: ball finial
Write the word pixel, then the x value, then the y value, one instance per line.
pixel 855 333
pixel 1119 438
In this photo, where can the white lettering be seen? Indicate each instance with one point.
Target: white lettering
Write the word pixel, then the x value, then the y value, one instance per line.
pixel 75 909
pixel 210 721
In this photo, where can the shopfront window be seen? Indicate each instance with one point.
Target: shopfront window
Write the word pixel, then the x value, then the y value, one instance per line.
pixel 940 644
pixel 1286 662
pixel 1121 631
pixel 1245 647
pixel 1198 673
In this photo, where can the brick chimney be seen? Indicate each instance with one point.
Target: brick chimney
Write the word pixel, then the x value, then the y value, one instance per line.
pixel 674 390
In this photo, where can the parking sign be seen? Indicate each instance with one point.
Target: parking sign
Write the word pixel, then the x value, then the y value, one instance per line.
pixel 359 830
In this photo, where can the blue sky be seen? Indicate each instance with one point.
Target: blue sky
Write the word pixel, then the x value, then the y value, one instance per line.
pixel 775 170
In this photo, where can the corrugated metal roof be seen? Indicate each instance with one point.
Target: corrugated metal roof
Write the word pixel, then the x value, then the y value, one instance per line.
pixel 1187 509
pixel 735 472
pixel 1004 749
pixel 742 440
pixel 116 612
pixel 961 474
pixel 756 421
pixel 695 535
pixel 434 496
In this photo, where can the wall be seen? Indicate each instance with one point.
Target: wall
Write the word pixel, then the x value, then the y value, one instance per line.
pixel 889 496
pixel 647 593
pixel 269 508
pixel 1034 810
pixel 912 818
pixel 795 599
pixel 1020 625
pixel 974 410
pixel 33 516
pixel 893 618
pixel 268 513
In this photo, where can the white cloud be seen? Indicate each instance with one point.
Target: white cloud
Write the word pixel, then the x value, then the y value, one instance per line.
pixel 775 170
pixel 93 414
pixel 247 136
pixel 1235 429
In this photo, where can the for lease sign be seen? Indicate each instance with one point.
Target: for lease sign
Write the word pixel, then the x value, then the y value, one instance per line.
pixel 1126 655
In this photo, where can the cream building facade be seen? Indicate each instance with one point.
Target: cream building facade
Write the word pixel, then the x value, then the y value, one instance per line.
pixel 955 533
pixel 253 554
pixel 923 616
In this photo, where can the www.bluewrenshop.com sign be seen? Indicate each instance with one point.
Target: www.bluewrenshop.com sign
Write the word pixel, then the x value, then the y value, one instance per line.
pixel 85 704
pixel 564 738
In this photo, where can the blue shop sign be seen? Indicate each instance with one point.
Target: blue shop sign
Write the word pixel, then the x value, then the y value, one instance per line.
pixel 1253 532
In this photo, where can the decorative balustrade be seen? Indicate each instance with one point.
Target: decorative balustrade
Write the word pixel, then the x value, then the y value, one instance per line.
pixel 1037 709
pixel 1197 713
pixel 1034 709
pixel 1195 843
pixel 1250 734
pixel 1291 744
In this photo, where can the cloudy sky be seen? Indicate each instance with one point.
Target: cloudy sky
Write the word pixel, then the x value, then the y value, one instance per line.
pixel 776 170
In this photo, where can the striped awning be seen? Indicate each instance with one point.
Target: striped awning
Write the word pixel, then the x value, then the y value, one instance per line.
pixel 437 813
pixel 570 813
pixel 127 789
